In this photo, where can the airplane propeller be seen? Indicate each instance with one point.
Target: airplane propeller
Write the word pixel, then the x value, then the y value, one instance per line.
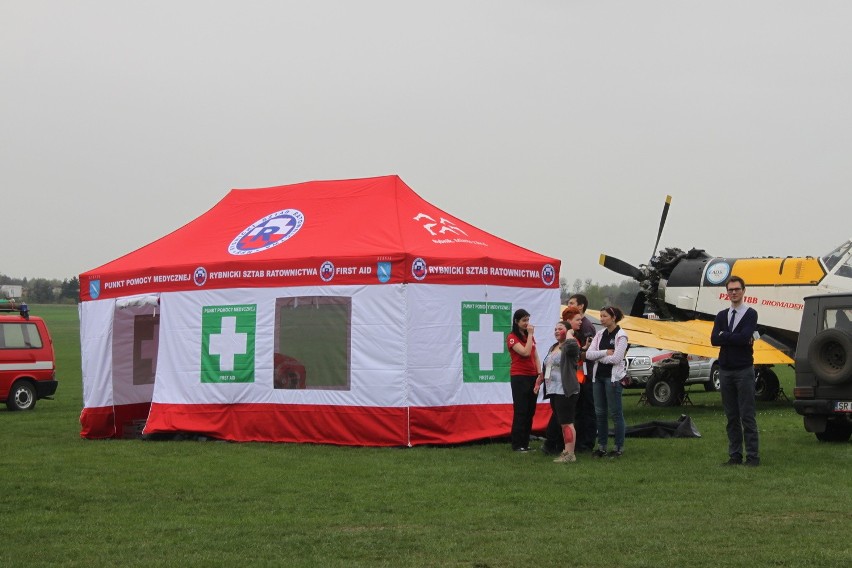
pixel 662 224
pixel 621 267
pixel 647 276
pixel 627 269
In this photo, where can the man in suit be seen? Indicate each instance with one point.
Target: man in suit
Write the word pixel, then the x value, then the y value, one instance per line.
pixel 733 333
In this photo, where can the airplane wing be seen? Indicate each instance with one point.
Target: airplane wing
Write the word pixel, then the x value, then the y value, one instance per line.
pixel 691 337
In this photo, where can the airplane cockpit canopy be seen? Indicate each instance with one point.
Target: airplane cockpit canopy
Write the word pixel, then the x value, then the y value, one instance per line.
pixel 837 255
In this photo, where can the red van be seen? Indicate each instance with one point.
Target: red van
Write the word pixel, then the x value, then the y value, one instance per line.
pixel 27 362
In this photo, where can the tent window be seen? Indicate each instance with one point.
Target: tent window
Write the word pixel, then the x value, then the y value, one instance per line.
pixel 145 338
pixel 313 343
pixel 135 347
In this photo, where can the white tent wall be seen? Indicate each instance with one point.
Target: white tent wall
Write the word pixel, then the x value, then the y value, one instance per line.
pixel 115 400
pixel 377 348
pixel 96 352
pixel 435 340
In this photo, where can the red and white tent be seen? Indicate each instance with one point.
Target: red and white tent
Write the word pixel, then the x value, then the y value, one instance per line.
pixel 346 312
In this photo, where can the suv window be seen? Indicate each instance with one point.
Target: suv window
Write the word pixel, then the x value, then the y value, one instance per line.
pixel 839 318
pixel 19 336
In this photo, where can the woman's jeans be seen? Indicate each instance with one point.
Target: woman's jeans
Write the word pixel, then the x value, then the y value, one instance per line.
pixel 523 402
pixel 608 399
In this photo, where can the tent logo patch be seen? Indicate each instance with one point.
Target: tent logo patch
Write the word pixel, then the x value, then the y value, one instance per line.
pixel 383 270
pixel 227 343
pixel 485 326
pixel 199 276
pixel 445 226
pixel 95 288
pixel 548 274
pixel 327 271
pixel 268 232
pixel 418 268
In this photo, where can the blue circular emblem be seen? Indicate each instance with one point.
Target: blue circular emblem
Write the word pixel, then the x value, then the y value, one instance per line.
pixel 327 271
pixel 268 232
pixel 718 272
pixel 199 276
pixel 418 268
pixel 548 274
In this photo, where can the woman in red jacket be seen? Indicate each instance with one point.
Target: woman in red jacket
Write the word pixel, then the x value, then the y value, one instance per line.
pixel 523 373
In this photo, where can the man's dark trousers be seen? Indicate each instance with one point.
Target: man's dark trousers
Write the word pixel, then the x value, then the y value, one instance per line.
pixel 737 388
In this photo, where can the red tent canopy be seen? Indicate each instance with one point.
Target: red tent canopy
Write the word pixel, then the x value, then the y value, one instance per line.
pixel 360 231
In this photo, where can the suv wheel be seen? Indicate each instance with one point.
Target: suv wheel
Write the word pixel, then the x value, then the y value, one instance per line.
pixel 713 384
pixel 830 355
pixel 663 390
pixel 766 385
pixel 22 396
pixel 835 432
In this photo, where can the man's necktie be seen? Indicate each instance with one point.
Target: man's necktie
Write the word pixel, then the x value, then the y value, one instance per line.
pixel 733 317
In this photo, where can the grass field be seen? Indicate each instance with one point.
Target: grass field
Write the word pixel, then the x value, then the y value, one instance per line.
pixel 72 502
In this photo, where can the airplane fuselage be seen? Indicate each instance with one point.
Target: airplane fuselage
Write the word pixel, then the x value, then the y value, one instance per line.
pixel 775 287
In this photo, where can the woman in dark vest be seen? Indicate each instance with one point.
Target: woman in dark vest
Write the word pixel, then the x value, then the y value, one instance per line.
pixel 607 350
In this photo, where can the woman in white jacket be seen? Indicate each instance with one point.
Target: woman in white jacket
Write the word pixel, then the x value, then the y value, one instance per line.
pixel 607 352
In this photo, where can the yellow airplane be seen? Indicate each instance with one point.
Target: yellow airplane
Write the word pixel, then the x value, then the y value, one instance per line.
pixel 686 290
pixel 682 286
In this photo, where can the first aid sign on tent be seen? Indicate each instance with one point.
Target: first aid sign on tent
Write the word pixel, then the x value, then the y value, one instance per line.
pixel 227 343
pixel 484 329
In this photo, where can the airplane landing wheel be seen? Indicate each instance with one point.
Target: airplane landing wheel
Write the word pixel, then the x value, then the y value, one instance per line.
pixel 766 385
pixel 663 389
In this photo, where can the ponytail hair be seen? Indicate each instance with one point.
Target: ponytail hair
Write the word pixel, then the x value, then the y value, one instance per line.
pixel 614 312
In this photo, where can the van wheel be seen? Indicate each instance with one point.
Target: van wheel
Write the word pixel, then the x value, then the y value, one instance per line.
pixel 830 356
pixel 835 432
pixel 22 396
pixel 663 390
pixel 713 384
pixel 766 385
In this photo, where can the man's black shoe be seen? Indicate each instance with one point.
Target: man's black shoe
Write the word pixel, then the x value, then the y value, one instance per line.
pixel 732 461
pixel 752 462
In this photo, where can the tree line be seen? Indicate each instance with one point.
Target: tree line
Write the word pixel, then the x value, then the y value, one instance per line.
pixel 600 295
pixel 45 290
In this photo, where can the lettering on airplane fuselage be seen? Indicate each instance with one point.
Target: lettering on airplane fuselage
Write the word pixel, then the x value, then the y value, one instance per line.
pixel 753 300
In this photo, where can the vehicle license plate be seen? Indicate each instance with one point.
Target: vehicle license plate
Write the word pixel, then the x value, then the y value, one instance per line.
pixel 843 406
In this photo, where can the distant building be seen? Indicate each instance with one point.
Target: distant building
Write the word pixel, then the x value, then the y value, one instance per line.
pixel 11 291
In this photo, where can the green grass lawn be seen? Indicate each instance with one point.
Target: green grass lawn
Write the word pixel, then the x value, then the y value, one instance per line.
pixel 73 502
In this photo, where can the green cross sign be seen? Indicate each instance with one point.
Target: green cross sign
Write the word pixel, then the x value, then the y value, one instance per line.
pixel 227 343
pixel 485 326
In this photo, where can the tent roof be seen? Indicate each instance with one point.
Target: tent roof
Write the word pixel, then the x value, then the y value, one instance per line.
pixel 320 233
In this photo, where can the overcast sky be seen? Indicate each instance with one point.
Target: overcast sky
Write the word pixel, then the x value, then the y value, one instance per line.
pixel 560 126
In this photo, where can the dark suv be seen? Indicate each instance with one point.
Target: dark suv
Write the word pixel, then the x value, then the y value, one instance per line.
pixel 823 389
